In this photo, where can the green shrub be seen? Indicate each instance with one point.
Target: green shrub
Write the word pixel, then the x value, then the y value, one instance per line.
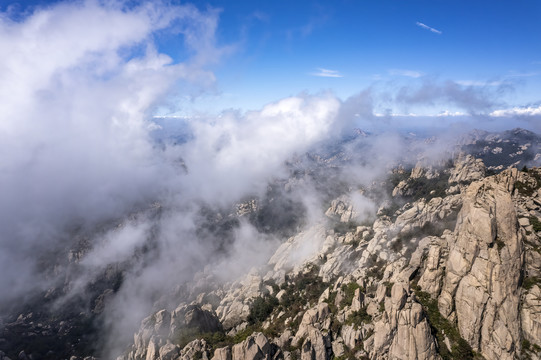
pixel 186 335
pixel 336 326
pixel 349 354
pixel 428 188
pixel 349 291
pixel 397 245
pixel 381 307
pixel 357 318
pixel 273 285
pixel 529 282
pixel 390 210
pixel 528 188
pixel 261 308
pixel 388 287
pixel 460 349
pixel 524 188
pixel 375 267
pixel 396 177
pixel 331 301
pixel 536 224
pixel 305 288
pixel 499 243
pixel 243 334
pixel 217 339
pixel 341 228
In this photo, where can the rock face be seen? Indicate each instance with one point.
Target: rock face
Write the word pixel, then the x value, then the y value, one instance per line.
pixel 531 315
pixel 317 343
pixel 255 347
pixel 481 286
pixel 192 316
pixel 467 169
pixel 403 331
pixel 342 209
pixel 154 339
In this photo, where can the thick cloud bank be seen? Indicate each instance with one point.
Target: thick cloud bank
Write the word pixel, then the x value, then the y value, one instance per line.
pixel 78 82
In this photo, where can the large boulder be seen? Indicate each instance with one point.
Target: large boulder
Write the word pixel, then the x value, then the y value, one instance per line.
pixel 255 347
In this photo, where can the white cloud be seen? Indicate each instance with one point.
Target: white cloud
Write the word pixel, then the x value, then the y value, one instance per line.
pixel 327 73
pixel 446 113
pixel 407 73
pixel 435 31
pixel 517 111
pixel 79 80
pixel 245 150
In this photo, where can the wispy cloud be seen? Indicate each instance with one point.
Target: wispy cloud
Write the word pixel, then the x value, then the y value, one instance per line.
pixel 315 22
pixel 479 83
pixel 392 114
pixel 408 73
pixel 445 113
pixel 327 73
pixel 435 31
pixel 521 75
pixel 174 117
pixel 473 99
pixel 261 16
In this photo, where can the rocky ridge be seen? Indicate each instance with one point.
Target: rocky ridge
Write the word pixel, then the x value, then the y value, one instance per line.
pixel 452 274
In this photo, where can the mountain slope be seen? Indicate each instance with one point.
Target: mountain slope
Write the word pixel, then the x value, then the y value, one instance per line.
pixel 450 277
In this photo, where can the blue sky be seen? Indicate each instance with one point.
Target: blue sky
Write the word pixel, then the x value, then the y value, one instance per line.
pixel 283 48
pixel 282 45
